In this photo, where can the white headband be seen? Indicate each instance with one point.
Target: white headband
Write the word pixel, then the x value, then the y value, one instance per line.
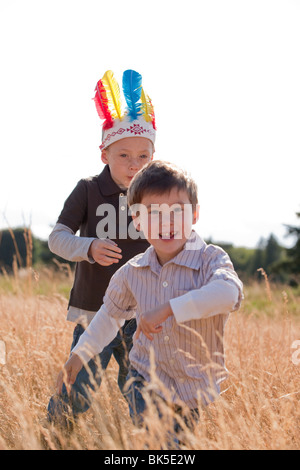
pixel 127 128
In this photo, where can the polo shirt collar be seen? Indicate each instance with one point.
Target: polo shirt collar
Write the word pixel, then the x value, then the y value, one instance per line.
pixel 190 255
pixel 107 185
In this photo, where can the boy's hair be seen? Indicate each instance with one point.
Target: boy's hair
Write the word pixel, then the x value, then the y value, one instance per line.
pixel 158 177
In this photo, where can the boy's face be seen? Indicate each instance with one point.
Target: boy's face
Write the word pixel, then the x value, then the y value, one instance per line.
pixel 126 157
pixel 166 221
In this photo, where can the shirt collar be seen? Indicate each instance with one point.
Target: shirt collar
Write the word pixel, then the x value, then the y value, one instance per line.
pixel 188 257
pixel 107 185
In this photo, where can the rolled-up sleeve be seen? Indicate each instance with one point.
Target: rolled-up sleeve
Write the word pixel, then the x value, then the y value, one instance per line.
pixel 212 299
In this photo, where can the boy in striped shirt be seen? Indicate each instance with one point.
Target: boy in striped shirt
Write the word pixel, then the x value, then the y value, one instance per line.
pixel 181 292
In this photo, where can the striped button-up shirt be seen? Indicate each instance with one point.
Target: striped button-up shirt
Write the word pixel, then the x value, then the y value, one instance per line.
pixel 188 352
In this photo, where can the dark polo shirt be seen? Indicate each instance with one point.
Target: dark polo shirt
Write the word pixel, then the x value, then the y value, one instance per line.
pixel 79 213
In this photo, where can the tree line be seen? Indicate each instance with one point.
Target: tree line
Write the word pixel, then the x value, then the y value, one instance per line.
pixel 280 263
pixel 19 248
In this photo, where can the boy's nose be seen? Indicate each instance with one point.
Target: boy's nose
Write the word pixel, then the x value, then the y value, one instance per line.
pixel 167 221
pixel 135 164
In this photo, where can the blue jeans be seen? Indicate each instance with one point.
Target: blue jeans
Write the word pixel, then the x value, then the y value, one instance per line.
pixel 60 408
pixel 137 407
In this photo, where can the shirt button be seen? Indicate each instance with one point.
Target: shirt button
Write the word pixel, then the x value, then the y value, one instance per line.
pixel 165 284
pixel 181 381
pixel 123 208
pixel 172 362
pixel 167 338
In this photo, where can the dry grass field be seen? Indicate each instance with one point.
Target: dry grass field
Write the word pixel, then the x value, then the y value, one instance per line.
pixel 258 408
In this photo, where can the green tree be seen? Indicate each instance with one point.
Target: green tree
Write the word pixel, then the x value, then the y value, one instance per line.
pixel 20 248
pixel 13 248
pixel 258 259
pixel 288 267
pixel 273 253
pixel 241 258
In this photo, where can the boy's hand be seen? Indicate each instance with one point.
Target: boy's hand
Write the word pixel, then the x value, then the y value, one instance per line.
pixel 105 252
pixel 69 373
pixel 150 322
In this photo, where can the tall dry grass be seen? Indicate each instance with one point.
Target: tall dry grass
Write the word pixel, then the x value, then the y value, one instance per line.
pixel 258 408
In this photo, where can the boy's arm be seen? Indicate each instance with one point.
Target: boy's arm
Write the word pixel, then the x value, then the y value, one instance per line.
pixel 118 305
pixel 100 332
pixel 64 243
pixel 216 297
pixel 222 291
pixel 62 240
pixel 212 299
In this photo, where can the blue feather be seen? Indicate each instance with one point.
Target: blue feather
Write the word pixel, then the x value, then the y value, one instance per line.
pixel 132 89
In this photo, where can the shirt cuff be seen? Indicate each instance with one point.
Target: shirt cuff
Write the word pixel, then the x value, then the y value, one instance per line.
pixel 183 308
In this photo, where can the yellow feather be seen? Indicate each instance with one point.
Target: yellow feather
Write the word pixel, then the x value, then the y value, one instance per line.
pixel 146 106
pixel 113 94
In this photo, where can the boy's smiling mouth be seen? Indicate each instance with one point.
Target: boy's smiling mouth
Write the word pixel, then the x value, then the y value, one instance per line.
pixel 167 235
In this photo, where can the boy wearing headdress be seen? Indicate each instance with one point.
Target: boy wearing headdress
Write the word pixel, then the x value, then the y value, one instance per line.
pixel 97 207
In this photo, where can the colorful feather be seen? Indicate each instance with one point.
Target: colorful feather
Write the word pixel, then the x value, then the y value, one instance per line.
pixel 132 87
pixel 112 89
pixel 148 109
pixel 101 102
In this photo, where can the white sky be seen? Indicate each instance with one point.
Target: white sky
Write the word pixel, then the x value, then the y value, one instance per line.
pixel 224 79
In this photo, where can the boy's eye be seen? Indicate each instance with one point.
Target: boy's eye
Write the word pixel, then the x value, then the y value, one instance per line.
pixel 123 155
pixel 144 156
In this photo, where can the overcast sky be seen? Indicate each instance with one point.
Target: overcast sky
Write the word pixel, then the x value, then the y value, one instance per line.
pixel 223 77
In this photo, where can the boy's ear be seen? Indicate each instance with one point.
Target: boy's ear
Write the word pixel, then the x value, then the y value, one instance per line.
pixel 104 156
pixel 196 214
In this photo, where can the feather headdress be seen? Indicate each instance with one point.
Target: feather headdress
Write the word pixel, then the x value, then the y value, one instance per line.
pixel 138 117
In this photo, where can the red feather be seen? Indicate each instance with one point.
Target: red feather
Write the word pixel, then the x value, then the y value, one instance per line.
pixel 101 102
